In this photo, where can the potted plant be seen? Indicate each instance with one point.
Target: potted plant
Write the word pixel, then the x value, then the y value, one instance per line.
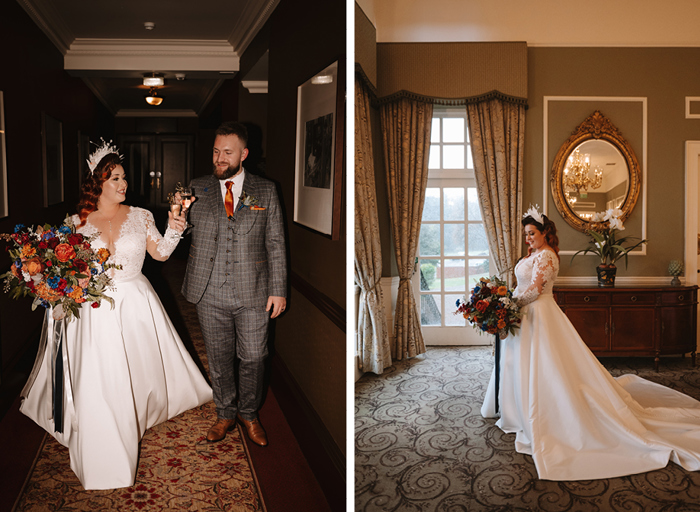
pixel 605 243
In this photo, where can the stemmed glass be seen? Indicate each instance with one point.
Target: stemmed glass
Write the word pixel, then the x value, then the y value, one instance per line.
pixel 186 201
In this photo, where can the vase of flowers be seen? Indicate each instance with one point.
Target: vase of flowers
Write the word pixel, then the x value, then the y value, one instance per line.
pixel 605 243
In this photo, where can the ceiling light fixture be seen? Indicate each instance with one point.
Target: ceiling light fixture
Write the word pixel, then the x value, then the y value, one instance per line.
pixel 153 80
pixel 153 98
pixel 149 25
pixel 322 79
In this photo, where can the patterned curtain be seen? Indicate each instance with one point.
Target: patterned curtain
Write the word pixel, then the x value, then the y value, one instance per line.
pixel 372 337
pixel 406 139
pixel 497 132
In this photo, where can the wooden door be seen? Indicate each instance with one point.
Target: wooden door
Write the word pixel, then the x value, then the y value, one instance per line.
pixel 154 164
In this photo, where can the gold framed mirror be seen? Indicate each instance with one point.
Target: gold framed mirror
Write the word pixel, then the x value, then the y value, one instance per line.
pixel 594 170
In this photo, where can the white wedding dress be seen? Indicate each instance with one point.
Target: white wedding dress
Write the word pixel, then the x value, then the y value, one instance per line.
pixel 126 368
pixel 567 411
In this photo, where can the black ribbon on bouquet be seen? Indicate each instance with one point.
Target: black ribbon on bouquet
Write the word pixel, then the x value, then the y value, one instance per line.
pixel 57 369
pixel 497 353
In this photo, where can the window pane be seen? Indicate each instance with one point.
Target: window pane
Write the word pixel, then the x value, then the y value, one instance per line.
pixel 431 206
pixel 434 157
pixel 477 269
pixel 478 244
pixel 453 157
pixel 470 158
pixel 454 203
pixel 473 204
pixel 430 310
pixel 454 130
pixel 454 239
pixel 429 244
pixel 430 272
pixel 435 130
pixel 450 307
pixel 454 275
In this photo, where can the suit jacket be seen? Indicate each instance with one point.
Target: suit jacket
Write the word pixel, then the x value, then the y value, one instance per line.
pixel 258 249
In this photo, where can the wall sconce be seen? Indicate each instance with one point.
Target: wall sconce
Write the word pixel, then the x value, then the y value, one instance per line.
pixel 153 98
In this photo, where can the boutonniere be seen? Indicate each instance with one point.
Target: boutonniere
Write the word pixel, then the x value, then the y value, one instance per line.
pixel 250 202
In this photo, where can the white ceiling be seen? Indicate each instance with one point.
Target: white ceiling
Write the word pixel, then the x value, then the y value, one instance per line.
pixel 106 44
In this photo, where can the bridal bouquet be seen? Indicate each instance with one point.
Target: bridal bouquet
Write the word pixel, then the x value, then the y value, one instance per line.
pixel 57 267
pixel 491 307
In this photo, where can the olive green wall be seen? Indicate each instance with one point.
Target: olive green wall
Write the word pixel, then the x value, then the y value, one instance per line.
pixel 664 76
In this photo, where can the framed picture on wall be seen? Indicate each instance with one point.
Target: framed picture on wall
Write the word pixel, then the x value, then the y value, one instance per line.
pixel 319 152
pixel 52 153
pixel 4 206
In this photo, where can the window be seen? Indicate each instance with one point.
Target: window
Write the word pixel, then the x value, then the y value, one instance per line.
pixel 453 249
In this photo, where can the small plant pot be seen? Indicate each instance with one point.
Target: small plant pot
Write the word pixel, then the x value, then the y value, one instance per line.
pixel 606 276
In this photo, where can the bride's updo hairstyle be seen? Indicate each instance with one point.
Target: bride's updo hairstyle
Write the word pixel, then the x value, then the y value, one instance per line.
pixel 92 185
pixel 547 228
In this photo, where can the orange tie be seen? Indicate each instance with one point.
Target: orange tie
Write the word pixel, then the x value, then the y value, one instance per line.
pixel 228 203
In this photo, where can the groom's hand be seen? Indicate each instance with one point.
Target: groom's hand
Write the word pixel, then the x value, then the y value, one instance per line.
pixel 277 304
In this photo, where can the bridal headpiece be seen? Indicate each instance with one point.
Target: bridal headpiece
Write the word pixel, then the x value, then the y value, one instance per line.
pixel 534 213
pixel 103 150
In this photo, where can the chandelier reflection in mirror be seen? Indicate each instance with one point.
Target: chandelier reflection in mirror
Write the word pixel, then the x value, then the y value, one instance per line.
pixel 577 176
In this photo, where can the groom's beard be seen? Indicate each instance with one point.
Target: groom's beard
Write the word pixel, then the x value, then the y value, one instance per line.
pixel 228 172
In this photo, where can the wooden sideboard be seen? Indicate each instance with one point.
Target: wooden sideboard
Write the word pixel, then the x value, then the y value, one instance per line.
pixel 633 321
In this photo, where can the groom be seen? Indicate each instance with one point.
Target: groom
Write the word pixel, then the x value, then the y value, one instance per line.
pixel 237 275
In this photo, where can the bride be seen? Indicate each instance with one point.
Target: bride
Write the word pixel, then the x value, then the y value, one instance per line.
pixel 125 368
pixel 574 419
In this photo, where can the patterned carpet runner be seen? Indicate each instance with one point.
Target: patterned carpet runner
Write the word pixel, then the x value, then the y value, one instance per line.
pixel 421 445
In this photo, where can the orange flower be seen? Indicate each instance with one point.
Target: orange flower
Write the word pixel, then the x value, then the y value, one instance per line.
pixel 501 324
pixel 103 254
pixel 33 266
pixel 46 293
pixel 76 294
pixel 64 252
pixel 502 290
pixel 27 252
pixel 15 271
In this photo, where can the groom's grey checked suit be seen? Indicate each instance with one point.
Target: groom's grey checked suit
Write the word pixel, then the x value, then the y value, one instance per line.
pixel 233 267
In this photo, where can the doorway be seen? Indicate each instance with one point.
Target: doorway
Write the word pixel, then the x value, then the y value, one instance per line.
pixel 154 164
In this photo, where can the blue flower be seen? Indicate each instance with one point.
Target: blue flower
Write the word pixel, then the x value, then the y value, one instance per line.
pixel 19 227
pixel 53 281
pixel 69 290
pixel 65 230
pixel 476 289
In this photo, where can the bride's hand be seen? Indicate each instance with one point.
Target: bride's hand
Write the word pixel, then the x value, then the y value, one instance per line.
pixel 176 223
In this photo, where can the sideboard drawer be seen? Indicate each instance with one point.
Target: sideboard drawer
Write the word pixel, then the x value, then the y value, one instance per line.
pixel 571 298
pixel 634 298
pixel 679 297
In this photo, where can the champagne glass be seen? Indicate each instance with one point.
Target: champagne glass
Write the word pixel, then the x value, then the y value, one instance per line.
pixel 186 201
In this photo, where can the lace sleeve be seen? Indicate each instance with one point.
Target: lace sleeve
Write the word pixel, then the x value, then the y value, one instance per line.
pixel 160 247
pixel 543 271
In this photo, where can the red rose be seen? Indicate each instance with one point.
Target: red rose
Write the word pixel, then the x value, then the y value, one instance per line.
pixel 64 252
pixel 81 266
pixel 75 238
pixel 52 243
pixel 43 244
pixel 62 284
pixel 95 305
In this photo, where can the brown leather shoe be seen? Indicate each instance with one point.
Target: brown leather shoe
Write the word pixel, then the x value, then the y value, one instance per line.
pixel 255 430
pixel 218 430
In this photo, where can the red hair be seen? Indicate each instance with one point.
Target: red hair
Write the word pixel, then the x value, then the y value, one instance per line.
pixel 91 190
pixel 548 229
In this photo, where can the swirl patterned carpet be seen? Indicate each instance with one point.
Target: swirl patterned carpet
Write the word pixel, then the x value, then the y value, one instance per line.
pixel 178 469
pixel 421 445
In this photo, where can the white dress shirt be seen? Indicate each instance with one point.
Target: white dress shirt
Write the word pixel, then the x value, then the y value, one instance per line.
pixel 236 189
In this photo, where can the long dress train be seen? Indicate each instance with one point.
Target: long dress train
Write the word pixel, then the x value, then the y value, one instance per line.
pixel 126 369
pixel 567 411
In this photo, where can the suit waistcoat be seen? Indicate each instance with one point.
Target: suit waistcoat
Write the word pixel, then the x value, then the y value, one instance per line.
pixel 222 272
